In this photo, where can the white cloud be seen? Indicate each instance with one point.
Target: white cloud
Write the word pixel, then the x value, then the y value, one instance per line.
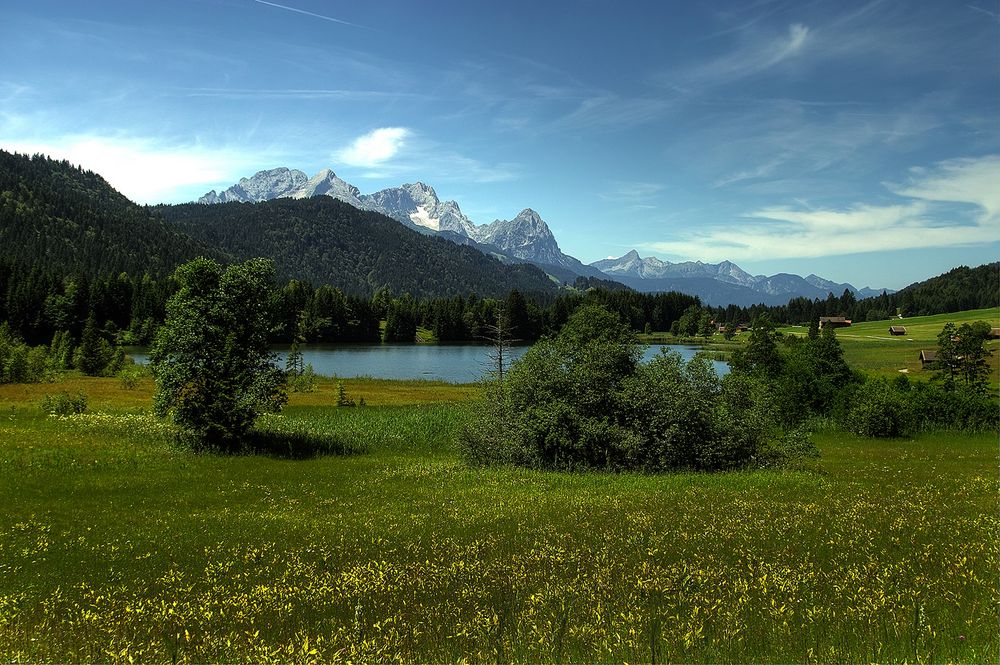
pixel 374 148
pixel 955 203
pixel 758 54
pixel 381 156
pixel 143 170
pixel 630 191
pixel 968 180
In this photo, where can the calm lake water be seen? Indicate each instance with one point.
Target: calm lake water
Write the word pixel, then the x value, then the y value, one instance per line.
pixel 456 363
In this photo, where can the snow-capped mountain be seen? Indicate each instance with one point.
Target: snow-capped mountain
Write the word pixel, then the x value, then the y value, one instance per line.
pixel 719 283
pixel 633 265
pixel 284 182
pixel 526 238
pixel 262 186
pixel 418 204
pixel 327 183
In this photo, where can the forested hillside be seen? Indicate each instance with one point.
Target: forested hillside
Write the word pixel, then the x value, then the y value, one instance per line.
pixel 327 241
pixel 55 216
pixel 957 290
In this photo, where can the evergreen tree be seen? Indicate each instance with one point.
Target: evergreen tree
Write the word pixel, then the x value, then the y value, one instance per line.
pixel 760 355
pixel 94 353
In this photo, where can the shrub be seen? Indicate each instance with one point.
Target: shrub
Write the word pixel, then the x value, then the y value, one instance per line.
pixel 64 404
pixel 130 375
pixel 935 406
pixel 881 410
pixel 20 363
pixel 583 401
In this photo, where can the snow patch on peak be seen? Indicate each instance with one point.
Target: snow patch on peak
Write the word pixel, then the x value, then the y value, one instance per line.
pixel 422 218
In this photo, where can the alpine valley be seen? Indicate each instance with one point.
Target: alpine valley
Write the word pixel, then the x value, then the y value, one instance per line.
pixel 527 239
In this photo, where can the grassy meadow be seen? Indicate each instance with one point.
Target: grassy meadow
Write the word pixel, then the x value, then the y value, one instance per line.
pixel 118 546
pixel 870 347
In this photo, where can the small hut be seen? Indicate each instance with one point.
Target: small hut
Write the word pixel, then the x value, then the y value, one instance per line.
pixel 994 334
pixel 897 330
pixel 833 322
pixel 927 358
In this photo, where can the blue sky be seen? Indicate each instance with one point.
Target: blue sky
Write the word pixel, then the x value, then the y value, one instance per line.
pixel 859 141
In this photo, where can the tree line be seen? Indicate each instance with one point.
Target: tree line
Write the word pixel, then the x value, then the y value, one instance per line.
pixel 38 303
pixel 127 309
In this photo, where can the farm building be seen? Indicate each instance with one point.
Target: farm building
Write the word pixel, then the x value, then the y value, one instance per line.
pixel 833 322
pixel 897 330
pixel 927 358
pixel 994 334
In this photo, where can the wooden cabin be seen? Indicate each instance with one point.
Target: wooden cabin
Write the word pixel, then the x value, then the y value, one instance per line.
pixel 897 330
pixel 833 322
pixel 927 358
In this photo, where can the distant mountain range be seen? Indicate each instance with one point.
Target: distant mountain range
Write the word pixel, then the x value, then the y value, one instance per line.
pixel 528 239
pixel 720 283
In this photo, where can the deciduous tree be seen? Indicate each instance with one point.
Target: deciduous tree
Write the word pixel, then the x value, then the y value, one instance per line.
pixel 214 372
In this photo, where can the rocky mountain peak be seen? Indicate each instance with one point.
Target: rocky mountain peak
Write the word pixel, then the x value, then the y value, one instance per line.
pixel 529 216
pixel 421 193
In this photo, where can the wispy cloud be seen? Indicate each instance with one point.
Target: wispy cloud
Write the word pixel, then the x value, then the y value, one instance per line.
pixel 756 55
pixel 454 167
pixel 993 15
pixel 609 111
pixel 303 93
pixel 750 141
pixel 973 181
pixel 954 203
pixel 753 173
pixel 401 153
pixel 374 148
pixel 631 191
pixel 314 15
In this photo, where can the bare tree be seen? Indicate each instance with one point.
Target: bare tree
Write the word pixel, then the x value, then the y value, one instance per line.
pixel 498 335
pixel 485 438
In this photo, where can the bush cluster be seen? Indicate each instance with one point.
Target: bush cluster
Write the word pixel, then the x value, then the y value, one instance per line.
pixel 880 408
pixel 582 400
pixel 64 404
pixel 20 363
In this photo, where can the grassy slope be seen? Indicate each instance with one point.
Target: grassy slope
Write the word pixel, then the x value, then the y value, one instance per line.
pixel 869 346
pixel 115 544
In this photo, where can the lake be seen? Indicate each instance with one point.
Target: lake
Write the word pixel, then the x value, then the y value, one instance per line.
pixel 455 363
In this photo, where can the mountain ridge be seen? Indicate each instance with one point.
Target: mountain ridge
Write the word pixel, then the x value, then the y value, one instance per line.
pixel 524 239
pixel 527 239
pixel 653 274
pixel 328 241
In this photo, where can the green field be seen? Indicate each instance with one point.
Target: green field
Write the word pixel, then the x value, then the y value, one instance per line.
pixel 870 347
pixel 118 546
